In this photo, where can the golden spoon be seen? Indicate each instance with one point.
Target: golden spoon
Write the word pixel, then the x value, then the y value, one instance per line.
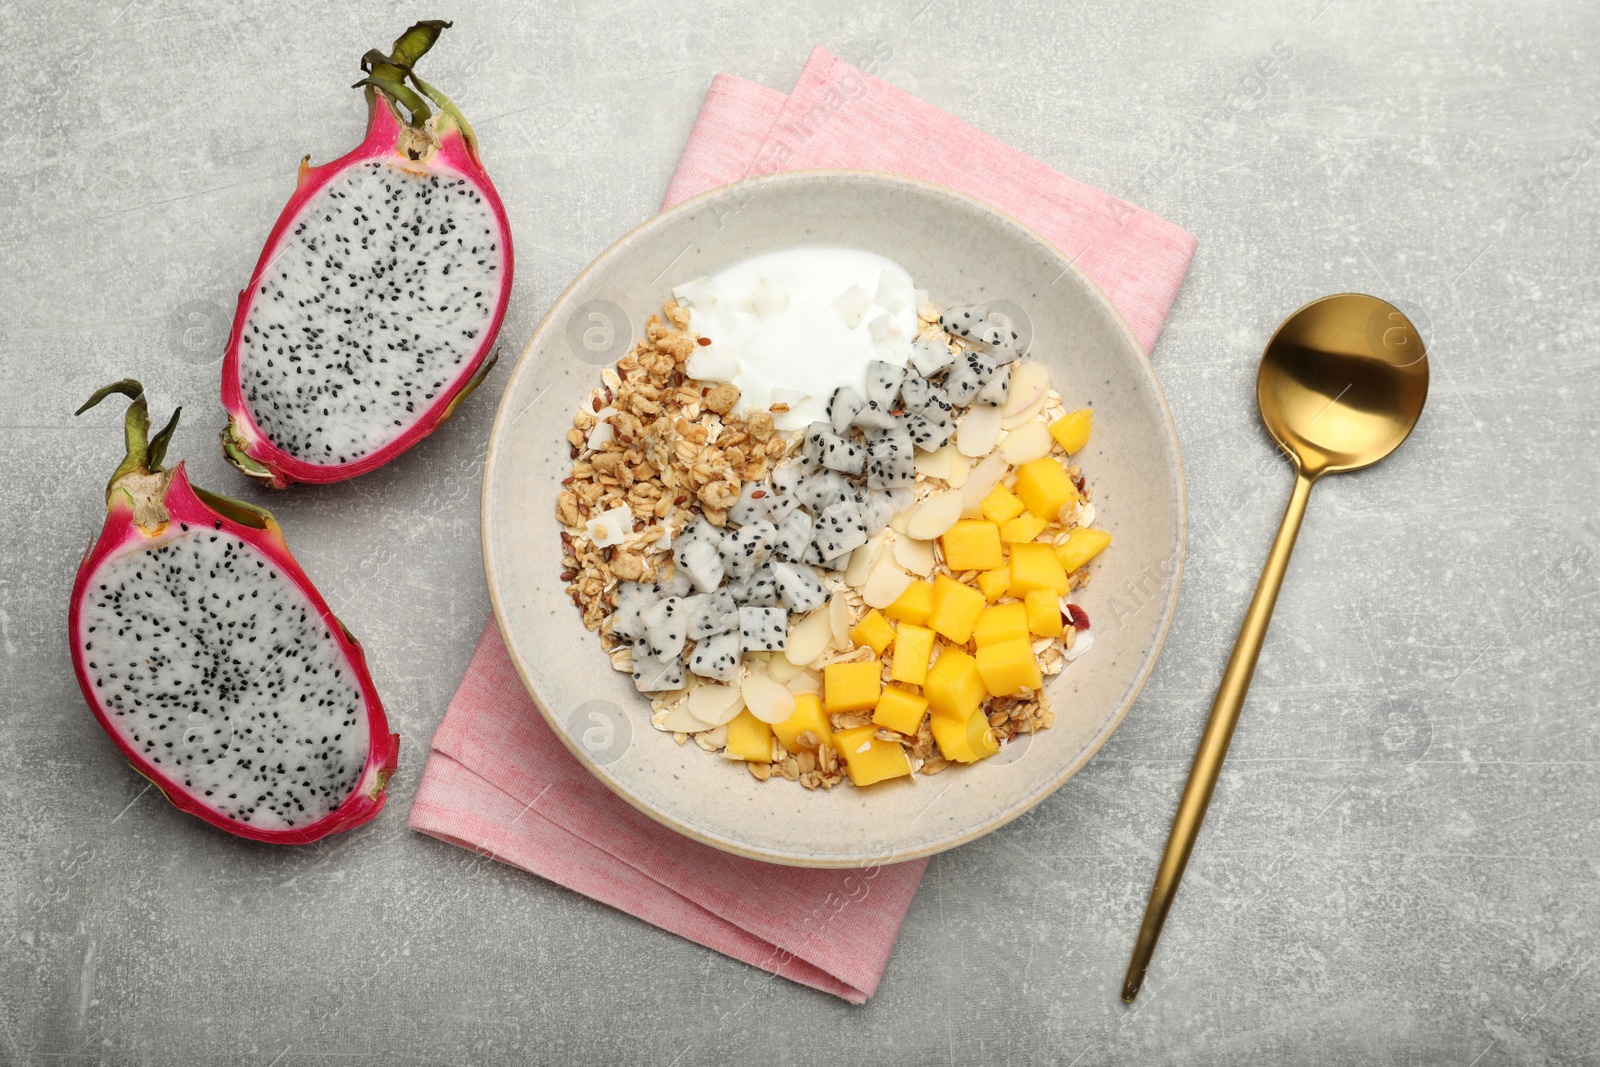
pixel 1341 384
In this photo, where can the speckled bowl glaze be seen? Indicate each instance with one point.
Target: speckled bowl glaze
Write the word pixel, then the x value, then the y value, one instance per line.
pixel 961 251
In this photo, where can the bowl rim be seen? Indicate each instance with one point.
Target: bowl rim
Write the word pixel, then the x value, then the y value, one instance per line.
pixel 748 187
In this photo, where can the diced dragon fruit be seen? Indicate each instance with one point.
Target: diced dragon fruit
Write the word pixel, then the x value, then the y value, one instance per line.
pixel 717 657
pixel 970 374
pixel 666 625
pixel 842 455
pixel 965 322
pixel 799 587
pixel 794 534
pixel 761 590
pixel 841 528
pixel 843 406
pixel 655 674
pixel 744 549
pixel 714 613
pixel 763 629
pixel 632 598
pixel 822 490
pixel 890 461
pixel 873 416
pixel 993 394
pixel 816 436
pixel 700 560
pixel 930 358
pixel 883 383
pixel 751 505
pixel 928 432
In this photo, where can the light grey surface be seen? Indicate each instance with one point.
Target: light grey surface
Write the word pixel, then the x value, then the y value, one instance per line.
pixel 1401 862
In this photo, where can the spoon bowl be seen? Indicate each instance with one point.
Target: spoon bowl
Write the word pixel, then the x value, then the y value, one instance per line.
pixel 1342 382
pixel 1341 385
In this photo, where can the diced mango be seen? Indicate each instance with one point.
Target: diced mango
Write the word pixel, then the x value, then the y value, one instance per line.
pixel 808 715
pixel 1021 529
pixel 956 607
pixel 1035 566
pixel 749 738
pixel 1044 487
pixel 899 709
pixel 1071 431
pixel 873 631
pixel 1009 667
pixel 851 686
pixel 954 688
pixel 1001 505
pixel 972 545
pixel 1001 622
pixel 1044 612
pixel 914 605
pixel 869 760
pixel 913 646
pixel 965 740
pixel 995 583
pixel 1080 547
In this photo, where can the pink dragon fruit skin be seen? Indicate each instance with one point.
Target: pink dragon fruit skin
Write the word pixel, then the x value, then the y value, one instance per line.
pixel 150 509
pixel 438 145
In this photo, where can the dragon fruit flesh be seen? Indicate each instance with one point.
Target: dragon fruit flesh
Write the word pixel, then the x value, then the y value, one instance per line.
pixel 994 392
pixel 883 383
pixel 701 562
pixel 652 673
pixel 717 657
pixel 666 626
pixel 931 358
pixel 213 663
pixel 843 407
pixel 970 374
pixel 763 629
pixel 799 587
pixel 713 613
pixel 744 549
pixel 842 455
pixel 373 307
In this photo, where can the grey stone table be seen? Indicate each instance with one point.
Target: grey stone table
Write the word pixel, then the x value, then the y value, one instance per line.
pixel 1401 863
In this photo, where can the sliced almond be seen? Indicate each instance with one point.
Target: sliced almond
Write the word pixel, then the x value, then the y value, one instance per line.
pixel 886 582
pixel 714 704
pixel 978 432
pixel 839 622
pixel 960 467
pixel 717 738
pixel 680 720
pixel 985 476
pixel 808 638
pixel 1026 443
pixel 805 682
pixel 766 699
pixel 935 464
pixel 935 515
pixel 1029 384
pixel 782 670
pixel 861 560
pixel 915 556
pixel 1031 413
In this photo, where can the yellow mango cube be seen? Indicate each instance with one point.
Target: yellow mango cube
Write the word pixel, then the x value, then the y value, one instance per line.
pixel 1043 608
pixel 749 738
pixel 965 740
pixel 1001 505
pixel 913 646
pixel 956 607
pixel 993 584
pixel 1009 667
pixel 868 760
pixel 873 631
pixel 1022 529
pixel 972 545
pixel 808 715
pixel 1044 487
pixel 899 709
pixel 954 688
pixel 914 605
pixel 1001 622
pixel 851 686
pixel 1080 547
pixel 1071 431
pixel 1035 566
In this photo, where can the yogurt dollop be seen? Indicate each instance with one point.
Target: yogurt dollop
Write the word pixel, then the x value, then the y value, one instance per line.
pixel 790 327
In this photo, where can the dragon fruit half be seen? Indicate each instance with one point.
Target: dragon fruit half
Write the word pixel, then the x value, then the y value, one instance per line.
pixel 212 662
pixel 378 294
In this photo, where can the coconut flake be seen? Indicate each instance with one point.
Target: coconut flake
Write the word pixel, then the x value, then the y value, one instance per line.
pixel 610 527
pixel 853 305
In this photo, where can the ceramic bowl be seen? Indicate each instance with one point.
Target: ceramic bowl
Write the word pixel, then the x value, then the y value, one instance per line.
pixel 961 251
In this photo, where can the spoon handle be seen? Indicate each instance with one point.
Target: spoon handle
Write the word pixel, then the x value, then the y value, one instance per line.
pixel 1214 741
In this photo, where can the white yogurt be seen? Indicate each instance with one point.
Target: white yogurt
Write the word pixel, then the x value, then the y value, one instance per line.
pixel 784 330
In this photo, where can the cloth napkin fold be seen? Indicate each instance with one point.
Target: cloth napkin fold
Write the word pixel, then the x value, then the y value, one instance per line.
pixel 499 782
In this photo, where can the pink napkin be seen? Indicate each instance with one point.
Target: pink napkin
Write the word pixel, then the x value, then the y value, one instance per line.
pixel 499 782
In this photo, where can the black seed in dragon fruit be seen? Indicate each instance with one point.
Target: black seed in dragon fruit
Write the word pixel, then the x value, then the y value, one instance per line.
pixel 843 407
pixel 799 587
pixel 701 562
pixel 993 394
pixel 842 455
pixel 717 657
pixel 632 598
pixel 652 673
pixel 666 626
pixel 763 629
pixel 970 374
pixel 816 436
pixel 794 534
pixel 713 613
pixel 928 433
pixel 744 549
pixel 930 358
